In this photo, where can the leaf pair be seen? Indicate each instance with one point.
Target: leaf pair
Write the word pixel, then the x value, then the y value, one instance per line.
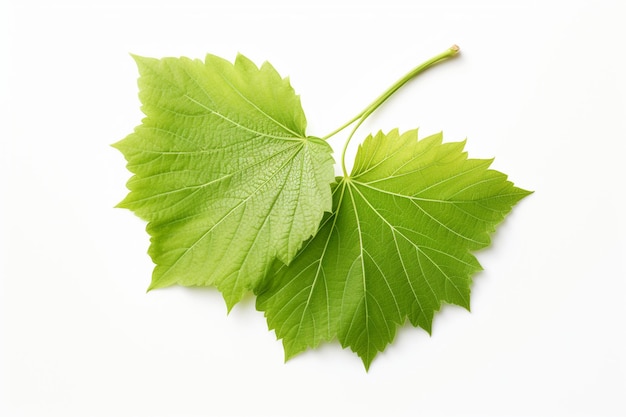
pixel 231 187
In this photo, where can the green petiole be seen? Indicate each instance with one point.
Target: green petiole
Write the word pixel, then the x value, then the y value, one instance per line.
pixel 360 118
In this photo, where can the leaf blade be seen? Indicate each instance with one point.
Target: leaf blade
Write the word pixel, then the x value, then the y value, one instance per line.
pixel 409 221
pixel 223 172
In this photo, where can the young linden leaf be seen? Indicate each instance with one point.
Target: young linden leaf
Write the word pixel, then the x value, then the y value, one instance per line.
pixel 223 172
pixel 397 245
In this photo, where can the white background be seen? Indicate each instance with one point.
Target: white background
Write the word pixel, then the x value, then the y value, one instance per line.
pixel 540 85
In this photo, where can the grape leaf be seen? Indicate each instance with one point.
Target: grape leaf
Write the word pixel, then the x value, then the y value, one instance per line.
pixel 232 188
pixel 223 172
pixel 397 245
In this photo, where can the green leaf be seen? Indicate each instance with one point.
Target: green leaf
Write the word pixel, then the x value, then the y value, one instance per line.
pixel 397 245
pixel 223 172
pixel 231 187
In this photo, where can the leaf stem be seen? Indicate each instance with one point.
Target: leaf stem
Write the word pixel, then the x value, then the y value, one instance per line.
pixel 452 51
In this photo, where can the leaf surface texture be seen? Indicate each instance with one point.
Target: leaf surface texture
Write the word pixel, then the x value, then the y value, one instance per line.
pixel 397 245
pixel 223 172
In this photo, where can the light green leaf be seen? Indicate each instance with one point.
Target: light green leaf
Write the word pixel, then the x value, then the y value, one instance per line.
pixel 397 245
pixel 223 172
